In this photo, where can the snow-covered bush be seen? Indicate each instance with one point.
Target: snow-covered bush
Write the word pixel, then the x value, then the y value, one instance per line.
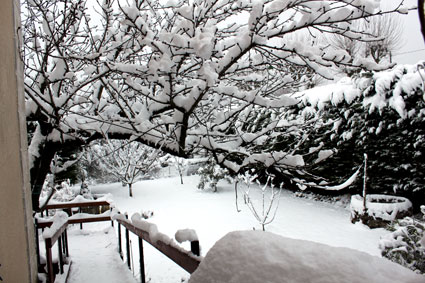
pixel 85 191
pixel 63 192
pixel 211 173
pixel 406 243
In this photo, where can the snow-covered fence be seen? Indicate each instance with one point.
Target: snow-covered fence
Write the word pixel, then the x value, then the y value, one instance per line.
pixel 188 260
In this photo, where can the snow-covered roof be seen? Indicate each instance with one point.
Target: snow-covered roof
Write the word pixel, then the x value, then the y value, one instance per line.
pixel 256 256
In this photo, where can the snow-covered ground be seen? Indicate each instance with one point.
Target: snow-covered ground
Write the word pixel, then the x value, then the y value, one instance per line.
pixel 103 263
pixel 213 215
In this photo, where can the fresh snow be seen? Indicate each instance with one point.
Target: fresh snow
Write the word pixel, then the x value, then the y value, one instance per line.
pixel 94 255
pixel 184 235
pixel 58 219
pixel 212 216
pixel 254 256
pixel 187 213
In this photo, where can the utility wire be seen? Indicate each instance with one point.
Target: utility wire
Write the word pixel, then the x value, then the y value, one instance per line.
pixel 408 52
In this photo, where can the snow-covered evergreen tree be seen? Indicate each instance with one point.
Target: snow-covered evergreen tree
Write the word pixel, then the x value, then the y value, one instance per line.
pixel 381 114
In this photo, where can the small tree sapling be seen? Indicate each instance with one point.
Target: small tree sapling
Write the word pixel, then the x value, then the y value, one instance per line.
pixel 270 197
pixel 180 164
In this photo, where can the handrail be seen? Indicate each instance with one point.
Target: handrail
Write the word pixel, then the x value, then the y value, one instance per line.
pixel 76 204
pixel 185 259
pixel 71 220
pixel 59 234
pixel 188 260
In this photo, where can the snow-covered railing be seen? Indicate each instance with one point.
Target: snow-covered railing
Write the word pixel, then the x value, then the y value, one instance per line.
pixel 56 233
pixel 188 260
pixel 80 202
pixel 55 228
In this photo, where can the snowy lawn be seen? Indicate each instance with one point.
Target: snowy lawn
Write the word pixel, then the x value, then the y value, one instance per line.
pixel 213 215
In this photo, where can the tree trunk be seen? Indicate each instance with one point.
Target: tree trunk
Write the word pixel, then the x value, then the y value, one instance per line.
pixel 39 171
pixel 421 14
pixel 130 190
pixel 41 167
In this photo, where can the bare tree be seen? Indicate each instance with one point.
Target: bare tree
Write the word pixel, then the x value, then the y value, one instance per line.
pixel 388 29
pixel 383 37
pixel 128 162
pixel 171 75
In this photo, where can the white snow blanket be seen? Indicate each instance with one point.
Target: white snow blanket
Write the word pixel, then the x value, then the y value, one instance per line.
pixel 256 256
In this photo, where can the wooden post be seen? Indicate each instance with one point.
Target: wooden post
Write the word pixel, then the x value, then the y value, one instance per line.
pixel 112 221
pixel 127 244
pixel 194 248
pixel 37 244
pixel 49 262
pixel 119 240
pixel 65 233
pixel 60 254
pixel 62 238
pixel 142 261
pixel 81 224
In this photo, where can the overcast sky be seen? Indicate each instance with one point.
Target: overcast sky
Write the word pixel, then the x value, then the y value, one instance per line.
pixel 413 48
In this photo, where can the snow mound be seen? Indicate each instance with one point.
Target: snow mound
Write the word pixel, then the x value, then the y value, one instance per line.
pixel 184 235
pixel 256 256
pixel 58 219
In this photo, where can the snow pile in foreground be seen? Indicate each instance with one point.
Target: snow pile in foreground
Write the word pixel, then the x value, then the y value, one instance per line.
pixel 255 256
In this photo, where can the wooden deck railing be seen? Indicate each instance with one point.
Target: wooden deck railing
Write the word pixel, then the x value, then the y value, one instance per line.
pixel 60 236
pixel 188 260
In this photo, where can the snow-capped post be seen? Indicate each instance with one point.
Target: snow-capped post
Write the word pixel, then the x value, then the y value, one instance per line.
pixel 364 184
pixel 189 235
pixel 194 248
